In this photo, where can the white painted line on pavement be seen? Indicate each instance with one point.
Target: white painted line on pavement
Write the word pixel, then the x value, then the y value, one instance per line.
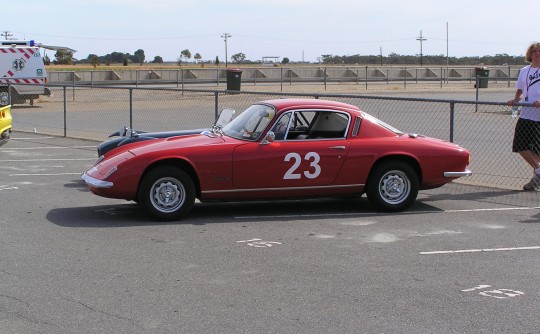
pixel 481 250
pixel 45 147
pixel 397 214
pixel 40 160
pixel 51 174
pixel 494 209
pixel 30 138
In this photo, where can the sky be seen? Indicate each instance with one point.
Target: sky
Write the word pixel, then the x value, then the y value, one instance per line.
pixel 301 30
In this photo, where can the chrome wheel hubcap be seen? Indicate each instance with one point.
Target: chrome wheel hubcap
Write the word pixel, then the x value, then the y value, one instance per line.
pixel 394 187
pixel 167 195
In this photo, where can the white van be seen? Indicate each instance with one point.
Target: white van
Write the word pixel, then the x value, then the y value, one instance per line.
pixel 22 72
pixel 21 63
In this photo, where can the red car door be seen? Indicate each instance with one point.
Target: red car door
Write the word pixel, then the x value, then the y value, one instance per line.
pixel 284 164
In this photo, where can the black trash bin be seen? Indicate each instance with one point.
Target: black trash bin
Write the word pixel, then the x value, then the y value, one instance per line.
pixel 482 77
pixel 234 78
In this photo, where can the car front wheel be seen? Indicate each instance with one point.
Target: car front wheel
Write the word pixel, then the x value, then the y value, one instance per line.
pixel 167 192
pixel 4 98
pixel 392 186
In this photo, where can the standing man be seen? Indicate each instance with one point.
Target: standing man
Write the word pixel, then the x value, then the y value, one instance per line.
pixel 527 131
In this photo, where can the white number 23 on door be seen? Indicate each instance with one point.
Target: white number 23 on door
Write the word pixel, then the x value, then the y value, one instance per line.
pixel 294 173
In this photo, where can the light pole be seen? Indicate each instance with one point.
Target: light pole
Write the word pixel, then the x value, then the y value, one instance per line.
pixel 421 40
pixel 225 36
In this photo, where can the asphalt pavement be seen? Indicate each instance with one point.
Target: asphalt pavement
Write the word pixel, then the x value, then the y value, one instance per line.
pixel 463 259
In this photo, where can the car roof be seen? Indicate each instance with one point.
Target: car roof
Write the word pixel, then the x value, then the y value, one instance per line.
pixel 285 104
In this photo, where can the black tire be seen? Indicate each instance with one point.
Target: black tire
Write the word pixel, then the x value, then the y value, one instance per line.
pixel 4 97
pixel 167 193
pixel 392 186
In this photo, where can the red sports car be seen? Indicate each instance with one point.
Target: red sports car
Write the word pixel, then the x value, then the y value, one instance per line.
pixel 279 149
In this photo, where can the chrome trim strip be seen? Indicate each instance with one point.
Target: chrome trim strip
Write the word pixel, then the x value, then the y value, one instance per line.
pixel 458 174
pixel 95 182
pixel 280 189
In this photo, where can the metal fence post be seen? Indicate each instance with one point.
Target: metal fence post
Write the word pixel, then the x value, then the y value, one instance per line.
pixel 131 108
pixel 73 90
pixel 325 78
pixel 405 78
pixel 366 77
pixel 216 106
pixel 281 78
pixel 290 76
pixel 452 114
pixel 509 76
pixel 65 111
pixel 182 71
pixel 477 85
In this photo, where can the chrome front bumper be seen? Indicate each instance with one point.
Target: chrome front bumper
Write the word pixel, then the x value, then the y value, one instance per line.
pixel 95 182
pixel 458 174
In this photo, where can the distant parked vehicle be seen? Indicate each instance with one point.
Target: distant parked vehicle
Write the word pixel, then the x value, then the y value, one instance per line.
pixel 5 124
pixel 22 72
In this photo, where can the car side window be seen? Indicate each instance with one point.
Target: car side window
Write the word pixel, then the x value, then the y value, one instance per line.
pixel 328 125
pixel 280 128
pixel 311 124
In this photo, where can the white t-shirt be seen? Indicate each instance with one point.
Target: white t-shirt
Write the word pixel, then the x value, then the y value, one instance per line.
pixel 529 83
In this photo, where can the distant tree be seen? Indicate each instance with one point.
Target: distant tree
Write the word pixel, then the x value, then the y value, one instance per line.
pixel 197 57
pixel 397 59
pixel 157 60
pixel 117 57
pixel 94 60
pixel 139 56
pixel 125 61
pixel 216 61
pixel 238 57
pixel 285 60
pixel 63 57
pixel 186 54
pixel 46 60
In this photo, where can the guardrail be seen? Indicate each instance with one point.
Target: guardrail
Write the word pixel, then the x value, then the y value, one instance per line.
pixel 484 128
pixel 286 75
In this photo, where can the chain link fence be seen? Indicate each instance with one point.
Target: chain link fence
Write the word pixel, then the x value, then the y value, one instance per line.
pixel 480 122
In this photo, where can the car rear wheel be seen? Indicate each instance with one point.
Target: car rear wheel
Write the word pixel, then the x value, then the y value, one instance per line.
pixel 392 186
pixel 167 192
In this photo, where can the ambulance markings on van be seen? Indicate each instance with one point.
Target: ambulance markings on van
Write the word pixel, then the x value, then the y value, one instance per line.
pixel 22 72
pixel 22 69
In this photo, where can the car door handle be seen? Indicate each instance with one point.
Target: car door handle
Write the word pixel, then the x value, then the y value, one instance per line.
pixel 338 147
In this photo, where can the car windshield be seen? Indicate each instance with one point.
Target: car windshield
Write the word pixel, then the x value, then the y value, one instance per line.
pixel 250 124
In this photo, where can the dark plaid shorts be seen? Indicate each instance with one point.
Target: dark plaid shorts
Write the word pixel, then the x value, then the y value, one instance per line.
pixel 526 136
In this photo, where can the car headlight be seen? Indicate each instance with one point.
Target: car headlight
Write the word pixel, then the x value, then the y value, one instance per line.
pixel 109 173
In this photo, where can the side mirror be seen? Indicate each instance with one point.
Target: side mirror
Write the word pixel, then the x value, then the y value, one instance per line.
pixel 270 137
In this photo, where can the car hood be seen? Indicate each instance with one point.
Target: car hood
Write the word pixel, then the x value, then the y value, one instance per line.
pixel 174 143
pixel 113 143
